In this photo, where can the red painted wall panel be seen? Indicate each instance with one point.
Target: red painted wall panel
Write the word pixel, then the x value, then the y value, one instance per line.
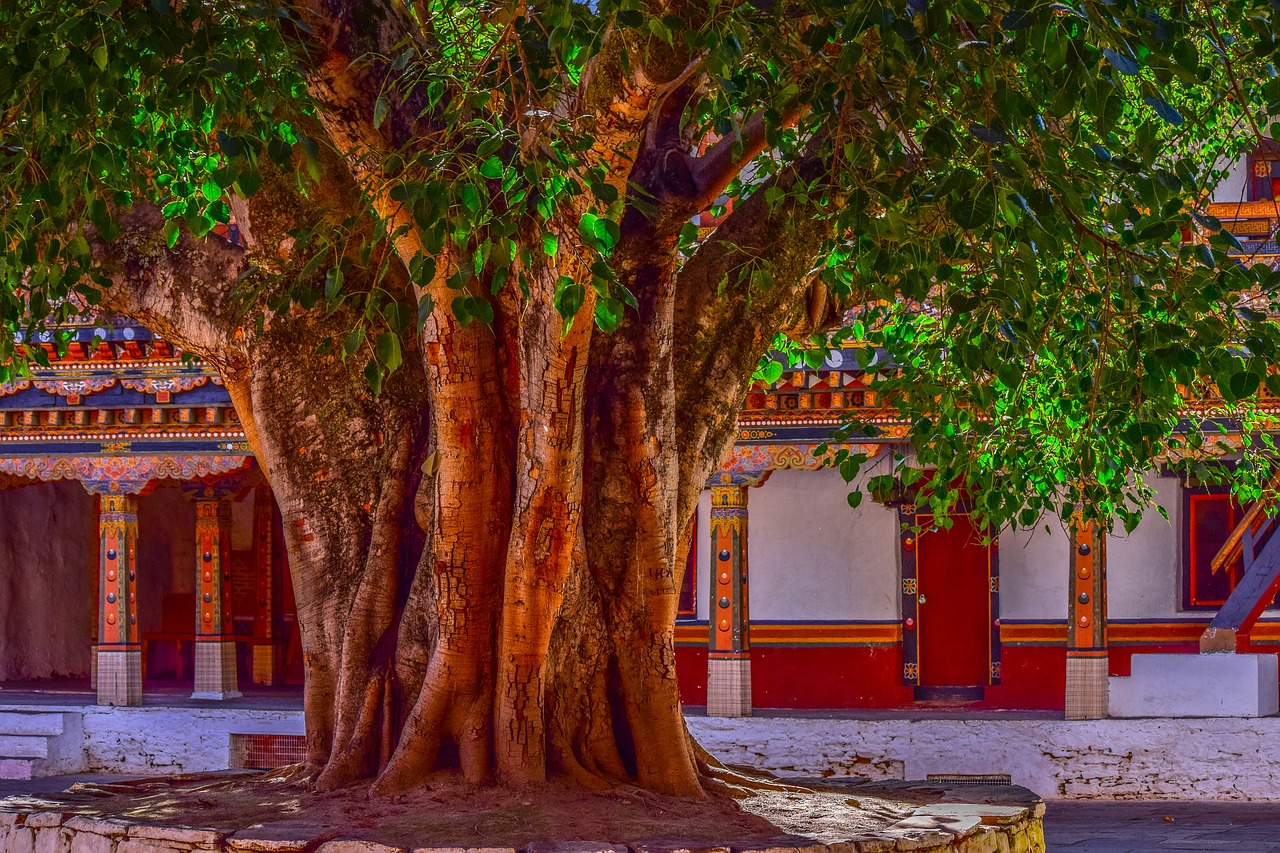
pixel 828 677
pixel 691 672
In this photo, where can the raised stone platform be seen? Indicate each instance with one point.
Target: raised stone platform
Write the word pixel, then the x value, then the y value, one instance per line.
pixel 927 818
pixel 1212 685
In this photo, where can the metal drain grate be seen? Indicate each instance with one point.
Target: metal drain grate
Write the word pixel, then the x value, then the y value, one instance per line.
pixel 266 752
pixel 971 778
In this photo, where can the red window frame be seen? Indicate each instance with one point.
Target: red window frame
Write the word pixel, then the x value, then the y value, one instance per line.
pixel 1202 590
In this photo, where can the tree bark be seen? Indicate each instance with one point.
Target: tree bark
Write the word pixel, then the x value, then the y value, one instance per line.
pixel 486 555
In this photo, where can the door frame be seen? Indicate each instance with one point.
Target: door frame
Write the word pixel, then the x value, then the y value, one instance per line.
pixel 909 584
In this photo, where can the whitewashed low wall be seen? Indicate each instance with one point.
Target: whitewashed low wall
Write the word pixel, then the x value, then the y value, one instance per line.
pixel 165 740
pixel 1195 758
pixel 1154 759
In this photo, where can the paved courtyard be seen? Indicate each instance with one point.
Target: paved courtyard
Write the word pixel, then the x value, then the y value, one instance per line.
pixel 1133 827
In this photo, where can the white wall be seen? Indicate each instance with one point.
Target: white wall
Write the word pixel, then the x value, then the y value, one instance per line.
pixel 702 542
pixel 1233 187
pixel 1143 567
pixel 812 558
pixel 1033 573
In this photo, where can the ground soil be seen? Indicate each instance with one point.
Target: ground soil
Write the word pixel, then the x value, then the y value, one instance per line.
pixel 453 813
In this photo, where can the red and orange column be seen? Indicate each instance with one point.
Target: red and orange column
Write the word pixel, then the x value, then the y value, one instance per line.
pixel 266 600
pixel 119 654
pixel 215 652
pixel 729 652
pixel 1087 691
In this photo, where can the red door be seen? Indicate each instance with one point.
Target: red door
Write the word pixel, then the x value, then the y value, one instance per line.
pixel 954 616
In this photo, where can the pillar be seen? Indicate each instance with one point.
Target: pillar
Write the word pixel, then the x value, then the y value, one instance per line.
pixel 119 656
pixel 729 652
pixel 1087 685
pixel 215 653
pixel 266 596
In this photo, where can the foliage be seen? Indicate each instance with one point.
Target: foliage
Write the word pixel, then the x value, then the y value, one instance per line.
pixel 1012 193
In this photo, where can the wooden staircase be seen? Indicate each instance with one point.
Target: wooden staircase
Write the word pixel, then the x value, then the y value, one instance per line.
pixel 1255 541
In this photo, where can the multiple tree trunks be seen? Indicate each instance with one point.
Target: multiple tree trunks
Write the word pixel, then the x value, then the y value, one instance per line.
pixel 486 555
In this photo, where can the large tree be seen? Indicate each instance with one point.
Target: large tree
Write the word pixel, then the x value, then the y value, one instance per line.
pixel 488 280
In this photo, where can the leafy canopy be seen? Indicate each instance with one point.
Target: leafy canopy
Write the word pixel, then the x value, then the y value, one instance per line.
pixel 1011 194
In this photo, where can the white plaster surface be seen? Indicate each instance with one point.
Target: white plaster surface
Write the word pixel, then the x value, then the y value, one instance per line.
pixel 1168 759
pixel 1143 581
pixel 47 566
pixel 1223 685
pixel 1232 188
pixel 813 558
pixel 702 541
pixel 168 740
pixel 1033 574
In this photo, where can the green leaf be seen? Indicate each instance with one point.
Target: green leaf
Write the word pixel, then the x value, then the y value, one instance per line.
pixel 100 57
pixel 333 283
pixel 1165 110
pixel 374 374
pixel 609 313
pixel 1123 63
pixel 380 108
pixel 352 343
pixel 550 243
pixel 425 306
pixel 171 233
pixel 388 350
pixel 568 298
pixel 491 168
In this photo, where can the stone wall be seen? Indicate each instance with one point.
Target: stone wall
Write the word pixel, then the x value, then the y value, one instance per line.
pixel 174 740
pixel 1152 759
pixel 48 563
pixel 66 823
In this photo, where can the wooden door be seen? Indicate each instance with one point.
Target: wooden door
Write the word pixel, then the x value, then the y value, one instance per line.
pixel 954 613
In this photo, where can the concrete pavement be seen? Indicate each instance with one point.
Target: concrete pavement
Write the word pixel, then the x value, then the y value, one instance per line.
pixel 1092 826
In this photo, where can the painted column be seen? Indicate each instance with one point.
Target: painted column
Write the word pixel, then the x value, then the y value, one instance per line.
pixel 266 596
pixel 729 652
pixel 1087 686
pixel 119 655
pixel 215 653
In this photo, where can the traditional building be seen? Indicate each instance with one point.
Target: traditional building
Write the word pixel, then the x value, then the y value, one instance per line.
pixel 851 609
pixel 129 487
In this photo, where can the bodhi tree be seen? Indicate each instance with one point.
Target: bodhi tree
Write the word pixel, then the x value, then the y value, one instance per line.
pixel 487 282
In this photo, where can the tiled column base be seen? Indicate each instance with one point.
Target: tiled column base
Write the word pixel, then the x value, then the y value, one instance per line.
pixel 93 666
pixel 1087 688
pixel 729 687
pixel 216 670
pixel 119 676
pixel 264 663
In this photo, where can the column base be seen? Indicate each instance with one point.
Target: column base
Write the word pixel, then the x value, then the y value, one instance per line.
pixel 119 676
pixel 1087 688
pixel 264 663
pixel 215 666
pixel 729 687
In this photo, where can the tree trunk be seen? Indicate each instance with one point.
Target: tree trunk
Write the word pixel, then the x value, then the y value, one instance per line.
pixel 486 555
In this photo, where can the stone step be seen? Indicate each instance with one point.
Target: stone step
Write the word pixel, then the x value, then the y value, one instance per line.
pixel 44 723
pixel 17 768
pixel 24 746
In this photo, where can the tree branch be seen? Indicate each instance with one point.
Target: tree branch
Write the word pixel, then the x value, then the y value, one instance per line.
pixel 720 337
pixel 716 168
